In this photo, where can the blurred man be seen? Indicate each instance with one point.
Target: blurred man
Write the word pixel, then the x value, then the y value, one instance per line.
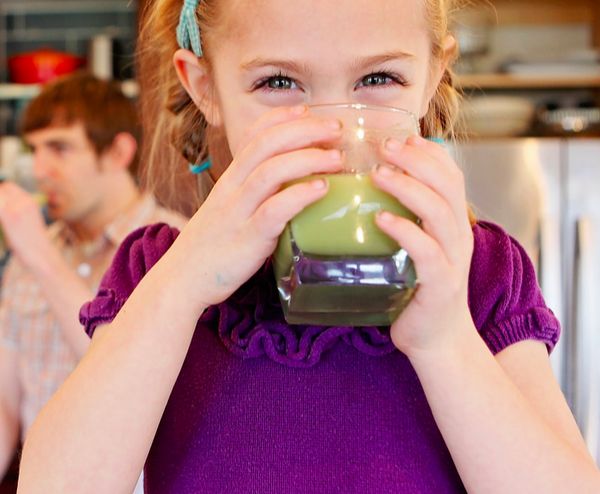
pixel 83 134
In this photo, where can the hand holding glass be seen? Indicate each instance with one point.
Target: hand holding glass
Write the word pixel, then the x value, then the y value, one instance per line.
pixel 333 265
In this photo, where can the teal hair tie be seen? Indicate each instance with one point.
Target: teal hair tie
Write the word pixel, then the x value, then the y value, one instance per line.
pixel 198 169
pixel 188 32
pixel 437 140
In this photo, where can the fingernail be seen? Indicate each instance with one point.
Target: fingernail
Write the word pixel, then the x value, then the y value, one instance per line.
pixel 336 155
pixel 334 124
pixel 384 171
pixel 318 184
pixel 298 110
pixel 392 144
pixel 384 216
pixel 416 140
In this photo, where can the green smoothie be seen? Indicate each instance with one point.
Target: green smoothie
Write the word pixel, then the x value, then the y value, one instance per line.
pixel 343 269
pixel 343 222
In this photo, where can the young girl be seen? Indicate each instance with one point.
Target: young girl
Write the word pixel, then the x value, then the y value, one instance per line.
pixel 192 370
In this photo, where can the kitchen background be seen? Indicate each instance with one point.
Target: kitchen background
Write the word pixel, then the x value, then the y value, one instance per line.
pixel 530 71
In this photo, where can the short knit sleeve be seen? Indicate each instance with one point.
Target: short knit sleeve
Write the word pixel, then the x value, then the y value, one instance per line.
pixel 137 254
pixel 505 299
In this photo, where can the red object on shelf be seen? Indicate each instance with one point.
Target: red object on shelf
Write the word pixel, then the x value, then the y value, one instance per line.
pixel 42 65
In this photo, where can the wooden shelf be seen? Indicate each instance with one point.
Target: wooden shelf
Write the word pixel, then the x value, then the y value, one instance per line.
pixel 28 91
pixel 508 81
pixel 544 12
pixel 18 91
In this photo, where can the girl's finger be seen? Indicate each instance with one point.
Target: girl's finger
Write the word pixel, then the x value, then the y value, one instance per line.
pixel 282 138
pixel 437 217
pixel 433 149
pixel 277 116
pixel 429 258
pixel 441 175
pixel 270 218
pixel 270 176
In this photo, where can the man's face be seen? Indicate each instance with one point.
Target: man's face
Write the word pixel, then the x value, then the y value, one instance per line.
pixel 68 170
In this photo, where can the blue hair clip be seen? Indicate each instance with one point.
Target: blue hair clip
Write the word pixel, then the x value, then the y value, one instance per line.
pixel 198 169
pixel 188 32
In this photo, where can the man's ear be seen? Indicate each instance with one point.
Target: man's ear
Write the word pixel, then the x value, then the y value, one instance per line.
pixel 121 152
pixel 438 69
pixel 194 76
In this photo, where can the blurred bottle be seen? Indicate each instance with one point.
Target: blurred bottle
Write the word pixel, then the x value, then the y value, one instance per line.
pixel 10 149
pixel 100 60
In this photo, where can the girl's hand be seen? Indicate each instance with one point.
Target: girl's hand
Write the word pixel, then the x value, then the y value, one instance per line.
pixel 423 177
pixel 237 227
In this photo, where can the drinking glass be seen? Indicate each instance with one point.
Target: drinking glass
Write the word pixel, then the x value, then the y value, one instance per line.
pixel 333 265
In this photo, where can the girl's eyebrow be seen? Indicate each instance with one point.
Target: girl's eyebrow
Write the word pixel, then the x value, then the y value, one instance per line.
pixel 362 63
pixel 296 67
pixel 287 65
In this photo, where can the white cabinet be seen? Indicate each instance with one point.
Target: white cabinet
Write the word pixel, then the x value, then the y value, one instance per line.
pixel 546 193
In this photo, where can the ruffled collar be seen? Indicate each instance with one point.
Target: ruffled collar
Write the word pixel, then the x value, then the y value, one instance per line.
pixel 251 325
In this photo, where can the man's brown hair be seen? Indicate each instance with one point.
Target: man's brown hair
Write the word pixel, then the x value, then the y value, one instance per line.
pixel 99 105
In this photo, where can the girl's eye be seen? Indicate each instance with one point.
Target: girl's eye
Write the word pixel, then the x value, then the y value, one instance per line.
pixel 380 79
pixel 277 83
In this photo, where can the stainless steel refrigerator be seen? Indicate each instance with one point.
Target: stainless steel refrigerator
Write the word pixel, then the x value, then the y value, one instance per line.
pixel 546 193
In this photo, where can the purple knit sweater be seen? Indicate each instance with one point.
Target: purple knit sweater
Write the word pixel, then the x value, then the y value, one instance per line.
pixel 264 407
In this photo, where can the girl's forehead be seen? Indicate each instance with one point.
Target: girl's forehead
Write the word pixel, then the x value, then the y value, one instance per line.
pixel 276 24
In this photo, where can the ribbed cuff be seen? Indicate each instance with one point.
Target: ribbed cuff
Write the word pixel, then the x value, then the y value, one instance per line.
pixel 101 310
pixel 538 324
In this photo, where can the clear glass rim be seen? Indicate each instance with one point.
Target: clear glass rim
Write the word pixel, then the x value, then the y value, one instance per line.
pixel 362 106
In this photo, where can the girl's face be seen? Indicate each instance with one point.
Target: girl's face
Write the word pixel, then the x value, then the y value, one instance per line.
pixel 280 53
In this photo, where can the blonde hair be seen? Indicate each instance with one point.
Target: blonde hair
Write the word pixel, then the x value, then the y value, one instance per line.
pixel 442 115
pixel 167 109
